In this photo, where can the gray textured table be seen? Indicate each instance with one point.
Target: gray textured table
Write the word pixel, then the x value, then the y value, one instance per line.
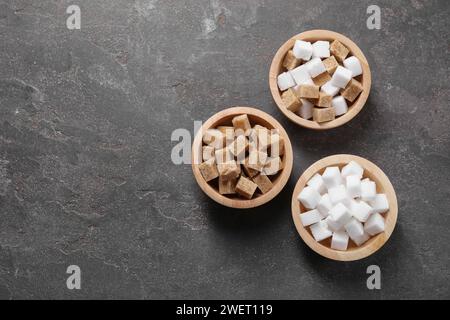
pixel 86 178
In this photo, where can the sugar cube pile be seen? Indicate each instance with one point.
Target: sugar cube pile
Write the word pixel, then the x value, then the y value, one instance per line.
pixel 240 159
pixel 320 81
pixel 341 204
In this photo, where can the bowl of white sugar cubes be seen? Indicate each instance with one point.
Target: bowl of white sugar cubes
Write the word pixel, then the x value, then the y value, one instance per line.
pixel 242 157
pixel 320 79
pixel 344 207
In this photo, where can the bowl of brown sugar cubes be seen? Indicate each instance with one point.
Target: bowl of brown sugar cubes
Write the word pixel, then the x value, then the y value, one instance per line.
pixel 344 207
pixel 242 157
pixel 320 79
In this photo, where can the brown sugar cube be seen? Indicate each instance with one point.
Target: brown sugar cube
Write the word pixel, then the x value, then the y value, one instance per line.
pixel 239 146
pixel 308 91
pixel 245 187
pixel 247 170
pixel 214 138
pixel 263 182
pixel 207 153
pixel 241 125
pixel 227 186
pixel 322 78
pixel 338 50
pixel 253 139
pixel 352 90
pixel 223 155
pixel 296 90
pixel 290 100
pixel 330 64
pixel 263 137
pixel 228 131
pixel 323 114
pixel 276 145
pixel 290 61
pixel 275 131
pixel 259 128
pixel 208 170
pixel 225 129
pixel 228 170
pixel 242 171
pixel 273 166
pixel 324 100
pixel 257 160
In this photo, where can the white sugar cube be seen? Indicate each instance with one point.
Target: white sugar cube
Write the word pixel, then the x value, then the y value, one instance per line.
pixel 302 50
pixel 339 217
pixel 352 205
pixel 333 225
pixel 352 64
pixel 353 185
pixel 338 194
pixel 368 190
pixel 340 77
pixel 320 231
pixel 360 240
pixel 374 225
pixel 324 206
pixel 329 89
pixel 340 105
pixel 310 217
pixel 306 110
pixel 352 168
pixel 339 241
pixel 332 177
pixel 309 197
pixel 354 228
pixel 285 81
pixel 380 204
pixel 317 183
pixel 315 67
pixel 321 49
pixel 360 210
pixel 301 75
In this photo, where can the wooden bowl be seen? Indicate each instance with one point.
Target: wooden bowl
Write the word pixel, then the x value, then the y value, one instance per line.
pixel 256 117
pixel 313 35
pixel 353 251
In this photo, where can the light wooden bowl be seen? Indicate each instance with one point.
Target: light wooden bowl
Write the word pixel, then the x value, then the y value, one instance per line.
pixel 353 251
pixel 313 35
pixel 256 117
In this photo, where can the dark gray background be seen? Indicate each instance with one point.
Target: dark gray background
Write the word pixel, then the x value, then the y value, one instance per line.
pixel 86 178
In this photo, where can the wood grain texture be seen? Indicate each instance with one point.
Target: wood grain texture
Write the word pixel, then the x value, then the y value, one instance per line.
pixel 383 186
pixel 313 35
pixel 256 116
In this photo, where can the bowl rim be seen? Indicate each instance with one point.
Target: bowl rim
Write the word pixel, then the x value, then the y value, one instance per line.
pixel 375 242
pixel 318 34
pixel 242 203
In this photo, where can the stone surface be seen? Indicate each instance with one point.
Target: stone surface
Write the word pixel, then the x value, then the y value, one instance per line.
pixel 85 143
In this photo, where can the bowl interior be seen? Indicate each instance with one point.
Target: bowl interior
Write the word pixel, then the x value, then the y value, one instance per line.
pixel 279 180
pixel 353 252
pixel 312 36
pixel 351 244
pixel 254 120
